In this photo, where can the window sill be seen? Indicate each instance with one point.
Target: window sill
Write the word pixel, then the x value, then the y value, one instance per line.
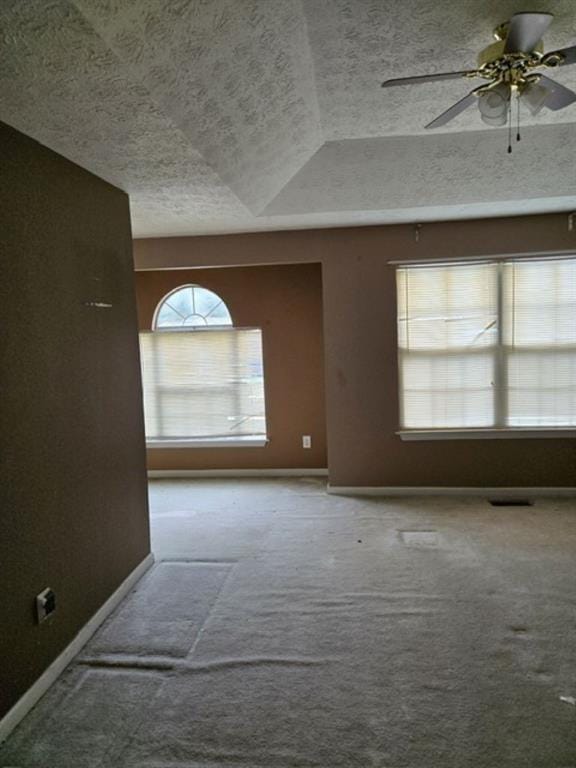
pixel 486 434
pixel 210 442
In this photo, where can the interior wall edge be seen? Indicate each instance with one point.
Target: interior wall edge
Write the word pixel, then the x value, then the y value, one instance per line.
pixel 29 699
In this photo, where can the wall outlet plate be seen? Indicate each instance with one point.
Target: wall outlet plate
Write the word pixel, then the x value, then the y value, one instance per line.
pixel 45 604
pixel 306 441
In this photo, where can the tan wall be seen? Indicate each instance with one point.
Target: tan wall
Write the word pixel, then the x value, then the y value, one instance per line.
pixel 73 505
pixel 286 303
pixel 360 344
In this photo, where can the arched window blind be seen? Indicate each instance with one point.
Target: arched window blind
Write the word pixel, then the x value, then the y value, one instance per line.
pixel 202 378
pixel 487 345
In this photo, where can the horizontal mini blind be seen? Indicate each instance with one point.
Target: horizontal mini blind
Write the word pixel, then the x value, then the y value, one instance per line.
pixel 203 384
pixel 539 322
pixel 447 337
pixel 487 345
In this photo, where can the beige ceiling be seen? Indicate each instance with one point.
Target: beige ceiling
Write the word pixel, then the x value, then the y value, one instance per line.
pixel 241 115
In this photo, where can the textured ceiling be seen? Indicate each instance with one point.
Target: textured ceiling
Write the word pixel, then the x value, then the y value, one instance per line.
pixel 240 115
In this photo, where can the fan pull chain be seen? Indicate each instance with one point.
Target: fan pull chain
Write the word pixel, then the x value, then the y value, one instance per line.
pixel 518 137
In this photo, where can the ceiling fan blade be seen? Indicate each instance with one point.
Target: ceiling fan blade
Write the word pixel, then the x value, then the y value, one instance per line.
pixel 525 31
pixel 568 55
pixel 423 79
pixel 454 110
pixel 558 95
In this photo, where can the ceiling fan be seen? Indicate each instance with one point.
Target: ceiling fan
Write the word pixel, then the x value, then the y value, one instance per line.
pixel 509 66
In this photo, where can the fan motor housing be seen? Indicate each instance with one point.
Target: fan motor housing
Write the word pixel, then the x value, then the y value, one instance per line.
pixel 495 51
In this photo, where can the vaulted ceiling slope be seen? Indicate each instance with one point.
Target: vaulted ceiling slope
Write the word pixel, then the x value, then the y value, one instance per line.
pixel 241 115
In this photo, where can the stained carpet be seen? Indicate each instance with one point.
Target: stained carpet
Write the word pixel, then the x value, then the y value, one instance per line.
pixel 284 628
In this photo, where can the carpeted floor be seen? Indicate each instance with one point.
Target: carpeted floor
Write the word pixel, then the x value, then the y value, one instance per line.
pixel 283 628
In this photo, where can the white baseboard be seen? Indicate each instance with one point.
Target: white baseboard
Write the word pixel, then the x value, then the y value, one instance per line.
pixel 487 492
pixel 51 674
pixel 157 473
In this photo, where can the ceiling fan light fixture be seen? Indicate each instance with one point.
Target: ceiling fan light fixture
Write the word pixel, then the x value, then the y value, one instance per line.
pixel 495 121
pixel 493 103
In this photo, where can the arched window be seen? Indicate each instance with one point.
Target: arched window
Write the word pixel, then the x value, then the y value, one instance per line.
pixel 191 306
pixel 203 379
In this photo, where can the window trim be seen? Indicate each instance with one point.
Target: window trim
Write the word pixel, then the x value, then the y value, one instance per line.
pixel 248 441
pixel 509 433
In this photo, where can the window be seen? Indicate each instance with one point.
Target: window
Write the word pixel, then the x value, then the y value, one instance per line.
pixel 203 379
pixel 487 346
pixel 191 307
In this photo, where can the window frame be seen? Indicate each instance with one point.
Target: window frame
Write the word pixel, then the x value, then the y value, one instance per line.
pixel 501 368
pixel 245 441
pixel 183 327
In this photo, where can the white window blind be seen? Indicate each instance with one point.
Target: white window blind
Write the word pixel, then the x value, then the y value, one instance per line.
pixel 488 345
pixel 539 336
pixel 203 384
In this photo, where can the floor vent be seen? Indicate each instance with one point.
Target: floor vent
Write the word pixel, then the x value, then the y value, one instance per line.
pixel 511 502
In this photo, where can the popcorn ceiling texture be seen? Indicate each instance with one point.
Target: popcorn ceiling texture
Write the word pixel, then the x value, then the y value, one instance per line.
pixel 212 114
pixel 362 174
pixel 99 118
pixel 235 77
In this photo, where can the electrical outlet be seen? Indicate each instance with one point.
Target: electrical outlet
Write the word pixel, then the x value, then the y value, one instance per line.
pixel 306 441
pixel 45 604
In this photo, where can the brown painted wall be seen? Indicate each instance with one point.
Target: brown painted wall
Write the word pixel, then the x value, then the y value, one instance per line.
pixel 73 493
pixel 286 302
pixel 360 343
